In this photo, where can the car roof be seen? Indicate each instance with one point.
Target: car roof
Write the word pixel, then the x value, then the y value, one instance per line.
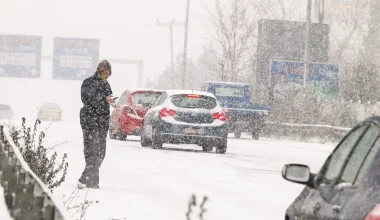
pixel 374 119
pixel 50 104
pixel 133 90
pixel 227 83
pixel 171 92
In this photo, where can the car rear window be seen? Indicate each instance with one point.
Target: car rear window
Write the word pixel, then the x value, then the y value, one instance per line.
pixel 144 98
pixel 193 101
pixel 229 91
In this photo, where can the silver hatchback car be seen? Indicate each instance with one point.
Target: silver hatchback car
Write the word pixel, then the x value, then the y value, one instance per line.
pixel 185 117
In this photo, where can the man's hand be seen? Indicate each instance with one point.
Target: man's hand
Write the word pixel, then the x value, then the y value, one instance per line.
pixel 110 99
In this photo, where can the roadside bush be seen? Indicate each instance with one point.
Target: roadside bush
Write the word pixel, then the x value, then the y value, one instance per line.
pixel 36 155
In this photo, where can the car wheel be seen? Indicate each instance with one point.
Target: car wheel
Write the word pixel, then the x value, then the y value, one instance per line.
pixel 255 136
pixel 145 142
pixel 117 134
pixel 111 134
pixel 237 134
pixel 156 142
pixel 222 149
pixel 207 148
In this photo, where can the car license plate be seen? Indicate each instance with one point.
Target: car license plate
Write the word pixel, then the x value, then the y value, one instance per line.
pixel 194 131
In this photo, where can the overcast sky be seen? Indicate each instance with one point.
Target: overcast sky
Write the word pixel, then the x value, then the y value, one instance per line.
pixel 127 29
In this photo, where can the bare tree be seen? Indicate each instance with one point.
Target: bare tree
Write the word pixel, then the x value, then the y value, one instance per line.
pixel 233 36
pixel 347 22
pixel 292 10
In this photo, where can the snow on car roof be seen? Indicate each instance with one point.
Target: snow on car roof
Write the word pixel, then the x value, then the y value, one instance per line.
pixel 229 83
pixel 171 92
pixel 132 90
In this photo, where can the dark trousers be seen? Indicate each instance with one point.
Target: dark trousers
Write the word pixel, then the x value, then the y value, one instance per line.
pixel 94 153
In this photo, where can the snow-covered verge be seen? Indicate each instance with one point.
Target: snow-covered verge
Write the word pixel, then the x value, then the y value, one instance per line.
pixel 305 132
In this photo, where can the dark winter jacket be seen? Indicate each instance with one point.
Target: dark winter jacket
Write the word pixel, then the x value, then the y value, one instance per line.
pixel 95 112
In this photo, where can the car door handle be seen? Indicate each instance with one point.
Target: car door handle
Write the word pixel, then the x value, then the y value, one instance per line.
pixel 336 208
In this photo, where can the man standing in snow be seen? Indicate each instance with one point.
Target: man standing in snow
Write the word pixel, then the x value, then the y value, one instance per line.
pixel 96 95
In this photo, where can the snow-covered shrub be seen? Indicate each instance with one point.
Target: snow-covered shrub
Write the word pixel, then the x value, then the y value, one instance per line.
pixel 35 154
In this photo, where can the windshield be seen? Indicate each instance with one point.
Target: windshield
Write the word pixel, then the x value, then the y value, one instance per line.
pixel 145 99
pixel 189 101
pixel 230 91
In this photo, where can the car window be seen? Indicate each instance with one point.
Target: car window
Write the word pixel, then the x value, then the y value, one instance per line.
pixel 360 152
pixel 365 170
pixel 334 164
pixel 193 101
pixel 144 98
pixel 159 100
pixel 229 91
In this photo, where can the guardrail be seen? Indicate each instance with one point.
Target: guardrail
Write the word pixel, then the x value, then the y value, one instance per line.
pixel 304 131
pixel 26 196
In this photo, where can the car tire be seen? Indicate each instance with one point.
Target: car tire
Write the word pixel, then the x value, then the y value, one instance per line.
pixel 237 134
pixel 156 142
pixel 145 142
pixel 207 148
pixel 221 149
pixel 255 136
pixel 111 134
pixel 119 135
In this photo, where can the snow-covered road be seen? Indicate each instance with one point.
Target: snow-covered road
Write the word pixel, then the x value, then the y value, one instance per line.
pixel 143 183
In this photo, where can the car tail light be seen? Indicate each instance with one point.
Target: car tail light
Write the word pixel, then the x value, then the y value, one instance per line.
pixel 219 115
pixel 374 214
pixel 193 96
pixel 167 112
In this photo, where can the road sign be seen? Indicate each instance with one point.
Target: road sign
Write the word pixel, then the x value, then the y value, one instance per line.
pixel 20 56
pixel 75 58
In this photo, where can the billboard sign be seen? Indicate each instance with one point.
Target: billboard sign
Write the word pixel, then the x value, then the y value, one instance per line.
pixel 286 79
pixel 75 58
pixel 20 56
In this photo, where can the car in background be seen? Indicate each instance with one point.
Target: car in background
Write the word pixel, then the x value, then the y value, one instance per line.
pixel 186 117
pixel 49 112
pixel 348 184
pixel 128 113
pixel 5 112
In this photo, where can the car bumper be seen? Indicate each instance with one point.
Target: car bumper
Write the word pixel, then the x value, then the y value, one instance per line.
pixel 192 139
pixel 193 134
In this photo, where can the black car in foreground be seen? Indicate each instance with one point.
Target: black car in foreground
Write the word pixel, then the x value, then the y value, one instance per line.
pixel 185 117
pixel 348 184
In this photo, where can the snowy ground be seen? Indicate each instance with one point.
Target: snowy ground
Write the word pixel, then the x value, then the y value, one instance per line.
pixel 143 183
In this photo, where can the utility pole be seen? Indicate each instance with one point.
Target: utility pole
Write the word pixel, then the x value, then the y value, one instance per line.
pixel 185 46
pixel 307 36
pixel 319 11
pixel 170 24
pixel 322 11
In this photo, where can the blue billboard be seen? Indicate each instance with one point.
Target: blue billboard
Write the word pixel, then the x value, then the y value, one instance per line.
pixel 75 58
pixel 20 56
pixel 286 79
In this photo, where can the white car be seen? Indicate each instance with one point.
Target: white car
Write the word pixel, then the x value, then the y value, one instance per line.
pixel 185 117
pixel 49 112
pixel 5 112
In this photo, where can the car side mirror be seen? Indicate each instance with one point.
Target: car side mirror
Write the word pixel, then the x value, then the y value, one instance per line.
pixel 113 105
pixel 297 173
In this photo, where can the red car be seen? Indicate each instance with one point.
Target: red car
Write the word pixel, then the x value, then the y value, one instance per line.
pixel 128 113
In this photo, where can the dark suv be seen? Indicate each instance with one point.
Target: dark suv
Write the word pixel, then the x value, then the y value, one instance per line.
pixel 348 185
